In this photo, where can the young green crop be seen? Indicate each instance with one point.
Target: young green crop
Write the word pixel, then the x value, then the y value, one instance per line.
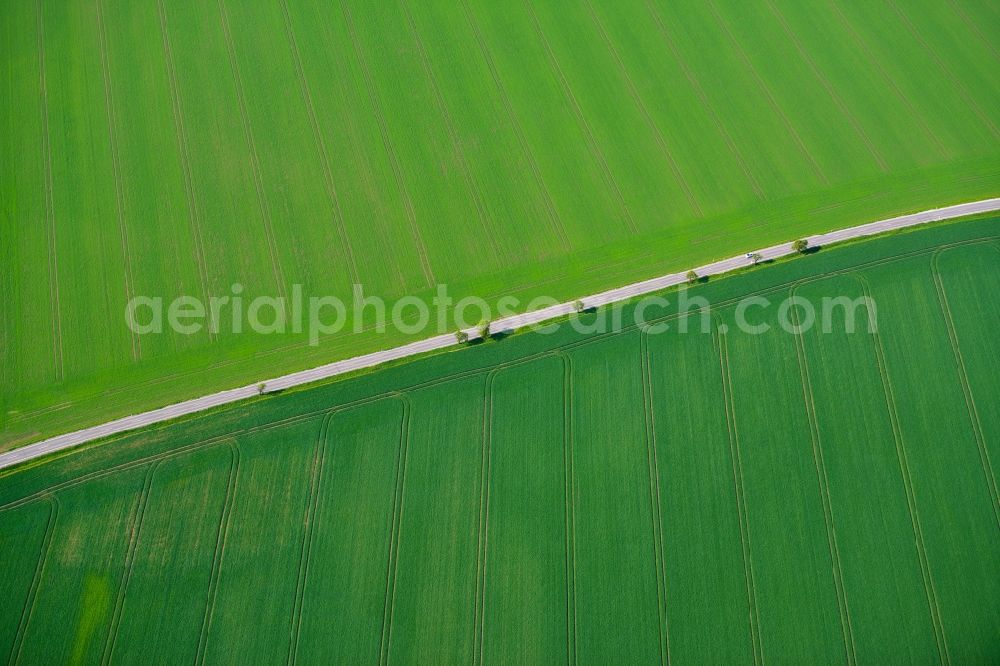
pixel 169 149
pixel 712 495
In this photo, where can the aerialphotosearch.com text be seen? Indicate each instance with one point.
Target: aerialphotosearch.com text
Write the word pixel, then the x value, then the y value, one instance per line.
pixel 319 317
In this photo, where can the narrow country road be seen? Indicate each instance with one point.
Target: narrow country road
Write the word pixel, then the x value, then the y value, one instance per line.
pixel 117 426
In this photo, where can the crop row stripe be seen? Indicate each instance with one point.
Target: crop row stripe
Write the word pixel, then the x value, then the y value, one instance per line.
pixel 706 104
pixel 411 216
pixel 554 219
pixel 50 212
pixel 888 81
pixel 741 507
pixel 479 613
pixel 180 135
pixel 830 90
pixel 655 505
pixel 29 603
pixel 595 149
pixel 948 74
pixel 135 528
pixel 392 565
pixel 331 185
pixel 569 487
pixel 963 377
pixel 823 484
pixel 766 89
pixel 459 152
pixel 109 106
pixel 911 500
pixel 258 177
pixel 661 141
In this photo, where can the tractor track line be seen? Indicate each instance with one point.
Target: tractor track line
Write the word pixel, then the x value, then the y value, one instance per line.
pixel 29 603
pixel 655 504
pixel 115 148
pixel 595 148
pixel 554 219
pixel 220 550
pixel 661 141
pixel 397 170
pixel 482 210
pixel 180 134
pixel 629 292
pixel 395 533
pixel 823 483
pixel 706 104
pixel 50 205
pixel 742 515
pixel 766 89
pixel 911 500
pixel 331 185
pixel 963 377
pixel 135 528
pixel 948 74
pixel 828 87
pixel 258 176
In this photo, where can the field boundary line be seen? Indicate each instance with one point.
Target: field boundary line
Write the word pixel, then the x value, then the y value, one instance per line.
pixel 911 500
pixel 661 141
pixel 135 528
pixel 823 483
pixel 292 420
pixel 569 490
pixel 50 204
pixel 766 89
pixel 949 75
pixel 703 98
pixel 220 550
pixel 594 339
pixel 331 185
pixel 963 378
pixel 383 125
pixel 457 376
pixel 28 609
pixel 830 89
pixel 479 615
pixel 554 218
pixel 112 116
pixel 888 80
pixel 595 149
pixel 628 292
pixel 742 514
pixel 395 530
pixel 458 151
pixel 308 531
pixel 659 562
pixel 180 135
pixel 258 176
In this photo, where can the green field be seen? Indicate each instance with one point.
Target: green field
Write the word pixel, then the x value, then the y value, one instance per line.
pixel 636 496
pixel 168 148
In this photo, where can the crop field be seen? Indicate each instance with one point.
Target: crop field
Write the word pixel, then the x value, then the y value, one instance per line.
pixel 167 148
pixel 633 496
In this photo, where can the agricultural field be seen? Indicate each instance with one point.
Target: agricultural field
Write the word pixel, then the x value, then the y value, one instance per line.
pixel 640 496
pixel 167 148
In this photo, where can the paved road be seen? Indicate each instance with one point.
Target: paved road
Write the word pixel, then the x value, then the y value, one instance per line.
pixel 68 440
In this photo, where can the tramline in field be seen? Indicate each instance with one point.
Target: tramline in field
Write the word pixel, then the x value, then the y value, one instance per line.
pixel 640 495
pixel 166 148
